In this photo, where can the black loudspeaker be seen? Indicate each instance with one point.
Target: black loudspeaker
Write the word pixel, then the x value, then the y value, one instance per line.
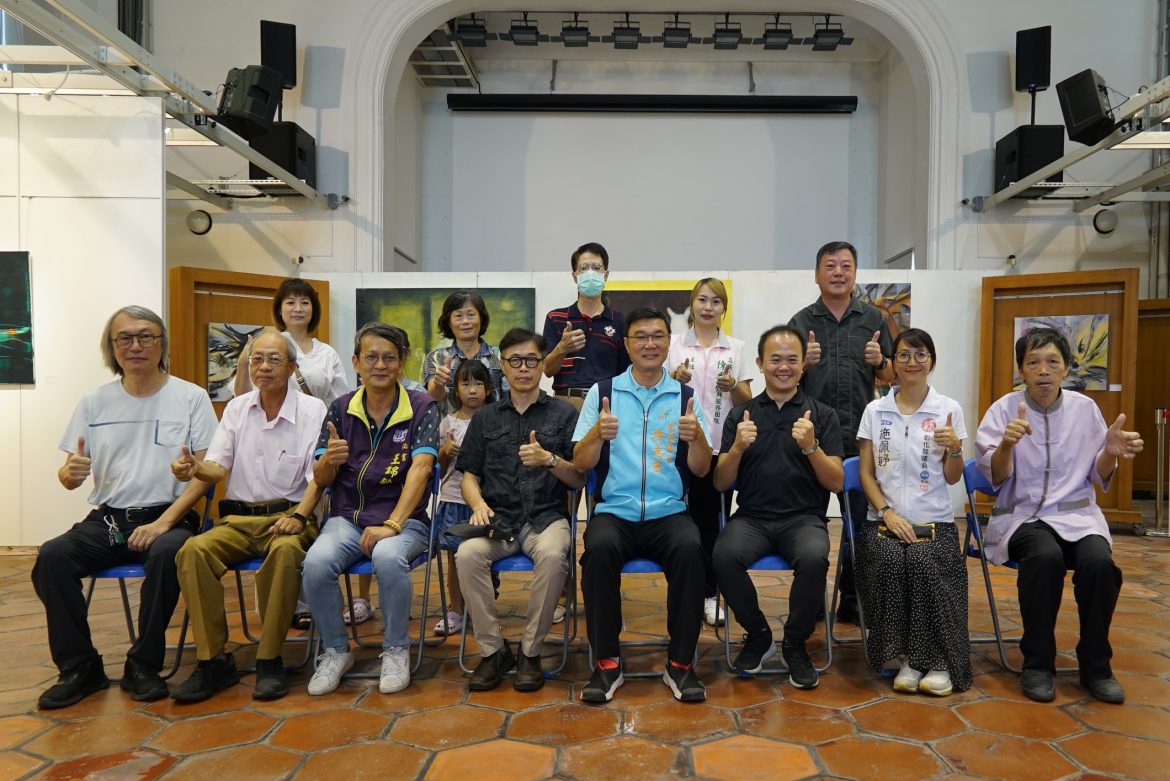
pixel 1033 59
pixel 290 147
pixel 1084 101
pixel 278 50
pixel 249 100
pixel 1026 150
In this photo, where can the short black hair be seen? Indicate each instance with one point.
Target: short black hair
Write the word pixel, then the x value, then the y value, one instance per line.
pixel 458 300
pixel 835 246
pixel 781 329
pixel 517 336
pixel 645 313
pixel 916 337
pixel 391 333
pixel 1035 338
pixel 471 369
pixel 591 248
pixel 296 287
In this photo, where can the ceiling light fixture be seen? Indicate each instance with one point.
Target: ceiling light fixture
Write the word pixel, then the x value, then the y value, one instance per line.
pixel 524 33
pixel 676 35
pixel 574 33
pixel 626 35
pixel 828 36
pixel 471 32
pixel 777 35
pixel 728 34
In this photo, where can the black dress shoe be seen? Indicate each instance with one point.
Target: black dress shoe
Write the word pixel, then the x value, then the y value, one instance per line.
pixel 490 670
pixel 1105 689
pixel 847 614
pixel 529 674
pixel 75 684
pixel 208 677
pixel 270 683
pixel 1038 685
pixel 143 681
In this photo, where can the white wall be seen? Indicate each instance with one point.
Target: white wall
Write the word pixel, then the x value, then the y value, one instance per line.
pixel 81 189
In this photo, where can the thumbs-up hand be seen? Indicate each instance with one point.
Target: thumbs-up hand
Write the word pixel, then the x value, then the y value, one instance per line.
pixel 1122 444
pixel 77 464
pixel 688 424
pixel 607 423
pixel 726 381
pixel 873 350
pixel 532 454
pixel 572 339
pixel 449 450
pixel 443 370
pixel 745 433
pixel 1016 430
pixel 812 351
pixel 683 372
pixel 336 449
pixel 945 437
pixel 804 432
pixel 185 466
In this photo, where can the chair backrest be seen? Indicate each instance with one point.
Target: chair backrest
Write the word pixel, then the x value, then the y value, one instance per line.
pixel 975 481
pixel 853 474
pixel 208 501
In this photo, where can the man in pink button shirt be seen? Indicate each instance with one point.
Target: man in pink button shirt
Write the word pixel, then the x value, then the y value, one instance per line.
pixel 1045 449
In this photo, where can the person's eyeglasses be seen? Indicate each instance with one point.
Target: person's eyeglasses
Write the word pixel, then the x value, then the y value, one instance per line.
pixel 516 361
pixel 919 356
pixel 643 339
pixel 275 361
pixel 145 341
pixel 598 267
pixel 372 359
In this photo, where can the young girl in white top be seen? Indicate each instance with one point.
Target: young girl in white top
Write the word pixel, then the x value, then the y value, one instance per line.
pixel 911 569
pixel 712 363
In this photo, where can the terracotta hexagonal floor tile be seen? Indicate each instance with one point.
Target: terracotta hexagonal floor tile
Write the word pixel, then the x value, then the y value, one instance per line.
pixel 507 698
pixel 1006 686
pixel 496 760
pixel 1032 720
pixel 95 736
pixel 640 691
pixel 15 765
pixel 563 724
pixel 375 761
pixel 877 759
pixel 244 763
pixel 1145 759
pixel 36 676
pixel 1003 757
pixel 1145 689
pixel 230 699
pixel 731 691
pixel 327 729
pixel 15 730
pixel 299 701
pixel 442 728
pixel 799 721
pixel 420 695
pixel 1136 640
pixel 622 758
pixel 742 757
pixel 834 691
pixel 1133 720
pixel 191 736
pixel 679 721
pixel 909 720
pixel 139 764
pixel 1138 662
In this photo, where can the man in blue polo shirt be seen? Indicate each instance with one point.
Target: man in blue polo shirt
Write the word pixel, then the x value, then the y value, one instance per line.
pixel 643 433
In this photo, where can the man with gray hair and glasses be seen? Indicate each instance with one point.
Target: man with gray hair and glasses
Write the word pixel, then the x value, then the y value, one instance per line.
pixel 125 434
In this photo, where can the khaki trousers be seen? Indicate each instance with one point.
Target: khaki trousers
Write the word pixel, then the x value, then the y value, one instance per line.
pixel 204 559
pixel 549 553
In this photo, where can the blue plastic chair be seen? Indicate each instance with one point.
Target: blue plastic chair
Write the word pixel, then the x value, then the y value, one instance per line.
pixel 852 485
pixel 123 571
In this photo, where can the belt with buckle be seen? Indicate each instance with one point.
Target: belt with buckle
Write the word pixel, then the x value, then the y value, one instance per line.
pixel 232 507
pixel 578 393
pixel 135 515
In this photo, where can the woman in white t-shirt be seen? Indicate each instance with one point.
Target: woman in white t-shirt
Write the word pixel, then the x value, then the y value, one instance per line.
pixel 712 363
pixel 911 570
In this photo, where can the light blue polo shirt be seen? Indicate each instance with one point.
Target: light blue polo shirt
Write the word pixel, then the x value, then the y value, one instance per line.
pixel 643 482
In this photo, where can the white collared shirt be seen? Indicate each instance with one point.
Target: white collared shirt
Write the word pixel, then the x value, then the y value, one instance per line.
pixel 268 459
pixel 707 365
pixel 908 463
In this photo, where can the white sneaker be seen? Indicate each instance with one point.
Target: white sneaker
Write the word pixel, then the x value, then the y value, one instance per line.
pixel 331 665
pixel 907 679
pixel 451 625
pixel 395 670
pixel 936 682
pixel 709 614
pixel 559 614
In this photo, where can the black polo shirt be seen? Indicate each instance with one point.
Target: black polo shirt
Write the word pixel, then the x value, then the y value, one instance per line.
pixel 604 354
pixel 774 480
pixel 843 379
pixel 491 451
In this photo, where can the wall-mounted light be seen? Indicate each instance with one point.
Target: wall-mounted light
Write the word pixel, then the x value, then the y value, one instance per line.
pixel 199 222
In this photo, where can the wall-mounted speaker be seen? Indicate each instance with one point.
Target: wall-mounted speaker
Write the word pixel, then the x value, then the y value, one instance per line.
pixel 1084 101
pixel 249 100
pixel 1034 59
pixel 290 147
pixel 278 50
pixel 1026 150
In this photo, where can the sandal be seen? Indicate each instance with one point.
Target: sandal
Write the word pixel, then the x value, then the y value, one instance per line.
pixel 302 620
pixel 362 612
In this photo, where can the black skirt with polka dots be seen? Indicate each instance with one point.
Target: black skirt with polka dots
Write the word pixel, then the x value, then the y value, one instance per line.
pixel 915 601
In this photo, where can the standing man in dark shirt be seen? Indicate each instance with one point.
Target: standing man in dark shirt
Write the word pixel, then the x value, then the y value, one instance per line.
pixel 848 350
pixel 785 458
pixel 517 464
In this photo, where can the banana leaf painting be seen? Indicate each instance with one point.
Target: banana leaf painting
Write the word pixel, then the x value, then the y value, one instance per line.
pixel 225 342
pixel 893 299
pixel 1088 338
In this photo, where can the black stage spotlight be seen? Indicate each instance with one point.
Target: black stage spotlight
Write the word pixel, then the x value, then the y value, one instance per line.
pixel 676 34
pixel 728 35
pixel 626 35
pixel 828 36
pixel 471 32
pixel 574 33
pixel 523 32
pixel 777 35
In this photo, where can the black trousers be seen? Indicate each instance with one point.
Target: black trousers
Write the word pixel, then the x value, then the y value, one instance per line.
pixel 1043 558
pixel 672 542
pixel 858 507
pixel 85 549
pixel 705 504
pixel 802 541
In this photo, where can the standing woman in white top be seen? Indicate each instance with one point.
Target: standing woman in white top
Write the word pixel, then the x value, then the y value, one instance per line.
pixel 712 363
pixel 911 569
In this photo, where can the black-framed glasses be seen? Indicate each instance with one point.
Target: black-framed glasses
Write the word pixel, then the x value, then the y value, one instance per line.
pixel 275 361
pixel 516 361
pixel 371 359
pixel 919 356
pixel 643 339
pixel 145 341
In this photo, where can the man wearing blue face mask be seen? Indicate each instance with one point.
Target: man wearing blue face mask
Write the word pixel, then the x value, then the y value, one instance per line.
pixel 586 337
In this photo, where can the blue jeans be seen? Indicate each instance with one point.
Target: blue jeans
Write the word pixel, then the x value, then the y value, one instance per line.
pixel 335 550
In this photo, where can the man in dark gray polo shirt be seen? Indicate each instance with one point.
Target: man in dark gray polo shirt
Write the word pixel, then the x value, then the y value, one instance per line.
pixel 516 460
pixel 848 351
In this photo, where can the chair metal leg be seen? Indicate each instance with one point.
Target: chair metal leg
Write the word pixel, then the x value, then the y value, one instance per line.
pixel 783 669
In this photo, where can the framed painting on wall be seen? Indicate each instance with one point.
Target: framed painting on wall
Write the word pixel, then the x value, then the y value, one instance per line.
pixel 16 345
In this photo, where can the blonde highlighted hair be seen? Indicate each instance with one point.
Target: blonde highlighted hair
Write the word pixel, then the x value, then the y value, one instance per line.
pixel 717 287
